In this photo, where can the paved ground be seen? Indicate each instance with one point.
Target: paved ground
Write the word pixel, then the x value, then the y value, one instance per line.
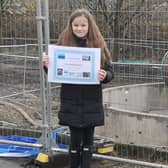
pixel 59 161
pixel 10 163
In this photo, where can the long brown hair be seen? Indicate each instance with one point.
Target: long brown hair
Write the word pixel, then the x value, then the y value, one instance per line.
pixel 94 36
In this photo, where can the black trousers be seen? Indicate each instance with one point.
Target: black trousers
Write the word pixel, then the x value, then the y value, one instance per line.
pixel 81 147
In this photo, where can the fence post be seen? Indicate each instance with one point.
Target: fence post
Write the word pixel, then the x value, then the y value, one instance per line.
pixel 46 138
pixel 49 99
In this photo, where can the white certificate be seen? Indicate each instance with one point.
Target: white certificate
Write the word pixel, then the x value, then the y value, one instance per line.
pixel 75 65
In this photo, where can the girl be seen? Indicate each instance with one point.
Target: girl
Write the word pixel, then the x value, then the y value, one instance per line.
pixel 81 105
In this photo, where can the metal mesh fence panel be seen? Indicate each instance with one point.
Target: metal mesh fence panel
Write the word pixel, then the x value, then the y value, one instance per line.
pixel 135 101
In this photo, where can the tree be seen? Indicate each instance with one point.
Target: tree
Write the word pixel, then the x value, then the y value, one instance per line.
pixel 4 4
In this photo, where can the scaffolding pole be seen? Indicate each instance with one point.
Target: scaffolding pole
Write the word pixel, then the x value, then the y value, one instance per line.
pixel 40 19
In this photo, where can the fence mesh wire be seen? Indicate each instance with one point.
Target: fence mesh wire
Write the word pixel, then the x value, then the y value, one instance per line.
pixel 136 102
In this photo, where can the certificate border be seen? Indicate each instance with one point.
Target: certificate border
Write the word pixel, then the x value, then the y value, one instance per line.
pixel 55 51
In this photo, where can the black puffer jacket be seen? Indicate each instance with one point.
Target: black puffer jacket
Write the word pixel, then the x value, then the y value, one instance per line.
pixel 81 105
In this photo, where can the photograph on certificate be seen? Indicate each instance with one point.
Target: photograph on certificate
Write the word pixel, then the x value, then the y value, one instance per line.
pixel 75 65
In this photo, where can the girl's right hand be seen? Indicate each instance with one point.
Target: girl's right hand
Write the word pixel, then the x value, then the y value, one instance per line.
pixel 45 60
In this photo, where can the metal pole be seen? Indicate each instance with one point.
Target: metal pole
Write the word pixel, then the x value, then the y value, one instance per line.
pixel 46 24
pixel 25 65
pixel 118 159
pixel 49 97
pixel 40 18
pixel 107 157
pixel 10 142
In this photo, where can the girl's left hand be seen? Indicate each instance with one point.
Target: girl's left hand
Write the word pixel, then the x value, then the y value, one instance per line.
pixel 102 74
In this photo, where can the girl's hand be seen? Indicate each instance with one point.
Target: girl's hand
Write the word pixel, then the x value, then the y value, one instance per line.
pixel 102 74
pixel 45 60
